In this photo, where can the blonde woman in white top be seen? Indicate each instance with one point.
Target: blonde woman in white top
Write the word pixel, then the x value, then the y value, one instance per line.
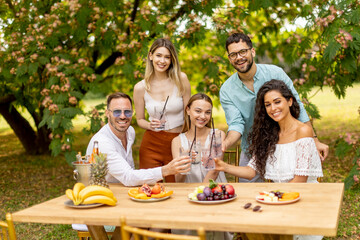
pixel 164 83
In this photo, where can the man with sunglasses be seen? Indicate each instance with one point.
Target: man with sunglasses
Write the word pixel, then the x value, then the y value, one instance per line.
pixel 238 95
pixel 116 139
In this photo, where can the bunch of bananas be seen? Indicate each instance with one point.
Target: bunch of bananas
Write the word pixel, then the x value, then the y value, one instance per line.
pixel 90 194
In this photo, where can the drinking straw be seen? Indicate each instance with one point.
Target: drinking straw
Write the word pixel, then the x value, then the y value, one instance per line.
pixel 162 112
pixel 194 140
pixel 212 136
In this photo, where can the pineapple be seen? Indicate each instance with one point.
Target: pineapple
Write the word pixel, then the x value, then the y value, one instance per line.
pixel 98 171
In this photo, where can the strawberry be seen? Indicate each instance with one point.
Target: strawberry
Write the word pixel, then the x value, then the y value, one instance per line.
pixel 217 189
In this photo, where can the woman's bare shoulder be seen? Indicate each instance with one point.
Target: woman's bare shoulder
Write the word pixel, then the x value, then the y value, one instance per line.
pixel 139 87
pixel 183 76
pixel 176 140
pixel 303 130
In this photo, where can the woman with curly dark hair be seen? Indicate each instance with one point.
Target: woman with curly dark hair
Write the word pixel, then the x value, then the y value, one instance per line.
pixel 282 148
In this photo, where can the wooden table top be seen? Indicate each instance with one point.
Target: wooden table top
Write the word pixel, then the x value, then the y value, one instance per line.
pixel 317 212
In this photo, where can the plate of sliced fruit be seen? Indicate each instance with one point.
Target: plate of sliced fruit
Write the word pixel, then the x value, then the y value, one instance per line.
pixel 213 194
pixel 277 197
pixel 149 199
pixel 145 193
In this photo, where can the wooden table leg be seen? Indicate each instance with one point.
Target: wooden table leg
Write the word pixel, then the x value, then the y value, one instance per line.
pixel 97 232
pixel 117 234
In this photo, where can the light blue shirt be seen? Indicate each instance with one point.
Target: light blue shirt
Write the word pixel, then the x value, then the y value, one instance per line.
pixel 239 102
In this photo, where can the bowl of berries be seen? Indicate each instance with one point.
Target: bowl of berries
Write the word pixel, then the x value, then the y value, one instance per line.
pixel 215 193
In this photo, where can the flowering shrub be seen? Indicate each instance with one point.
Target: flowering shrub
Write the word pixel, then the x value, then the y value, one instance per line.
pixel 52 54
pixel 350 145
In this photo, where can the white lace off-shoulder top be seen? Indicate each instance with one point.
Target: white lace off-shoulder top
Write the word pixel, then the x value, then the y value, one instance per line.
pixel 295 158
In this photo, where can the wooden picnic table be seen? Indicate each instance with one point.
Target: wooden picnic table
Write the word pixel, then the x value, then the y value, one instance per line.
pixel 316 213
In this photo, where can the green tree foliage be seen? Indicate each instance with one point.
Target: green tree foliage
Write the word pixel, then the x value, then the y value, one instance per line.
pixel 349 145
pixel 54 52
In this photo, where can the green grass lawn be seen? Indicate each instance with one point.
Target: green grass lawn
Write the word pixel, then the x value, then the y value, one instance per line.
pixel 28 180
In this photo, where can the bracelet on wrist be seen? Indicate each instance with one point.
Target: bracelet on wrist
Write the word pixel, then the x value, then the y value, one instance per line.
pixel 314 136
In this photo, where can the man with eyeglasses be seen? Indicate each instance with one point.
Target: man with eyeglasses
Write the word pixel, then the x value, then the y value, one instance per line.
pixel 238 95
pixel 116 139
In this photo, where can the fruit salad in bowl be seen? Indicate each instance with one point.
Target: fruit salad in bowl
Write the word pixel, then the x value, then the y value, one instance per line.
pixel 213 192
pixel 277 196
pixel 146 192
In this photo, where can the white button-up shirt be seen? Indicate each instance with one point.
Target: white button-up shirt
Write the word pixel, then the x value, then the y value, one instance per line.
pixel 120 160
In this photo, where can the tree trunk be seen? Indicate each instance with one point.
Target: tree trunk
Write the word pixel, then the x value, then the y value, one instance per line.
pixel 32 142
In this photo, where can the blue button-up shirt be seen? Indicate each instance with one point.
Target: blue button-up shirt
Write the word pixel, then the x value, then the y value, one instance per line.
pixel 239 102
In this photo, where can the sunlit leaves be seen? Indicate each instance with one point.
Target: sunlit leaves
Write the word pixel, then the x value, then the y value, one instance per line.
pixel 331 50
pixel 64 49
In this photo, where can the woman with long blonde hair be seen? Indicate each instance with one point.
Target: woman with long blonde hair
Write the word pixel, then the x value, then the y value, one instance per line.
pixel 198 128
pixel 164 89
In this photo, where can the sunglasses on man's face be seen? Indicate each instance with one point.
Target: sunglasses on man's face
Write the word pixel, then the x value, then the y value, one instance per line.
pixel 117 113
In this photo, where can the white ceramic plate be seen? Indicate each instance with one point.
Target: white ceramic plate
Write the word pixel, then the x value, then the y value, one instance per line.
pixel 279 202
pixel 69 203
pixel 213 202
pixel 150 200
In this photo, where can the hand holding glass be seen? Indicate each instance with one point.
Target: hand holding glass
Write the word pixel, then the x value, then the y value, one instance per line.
pixel 214 151
pixel 196 152
pixel 183 152
pixel 160 114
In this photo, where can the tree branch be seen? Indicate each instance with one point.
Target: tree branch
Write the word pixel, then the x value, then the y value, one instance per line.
pixel 179 14
pixel 11 6
pixel 111 59
pixel 7 98
pixel 108 62
pixel 133 14
pixel 105 78
pixel 95 56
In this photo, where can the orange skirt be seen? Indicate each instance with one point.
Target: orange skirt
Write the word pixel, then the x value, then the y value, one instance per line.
pixel 155 150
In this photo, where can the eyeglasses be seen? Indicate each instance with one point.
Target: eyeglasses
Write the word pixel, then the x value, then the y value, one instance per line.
pixel 117 113
pixel 242 53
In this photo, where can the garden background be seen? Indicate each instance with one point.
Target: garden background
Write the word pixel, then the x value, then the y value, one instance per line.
pixel 59 59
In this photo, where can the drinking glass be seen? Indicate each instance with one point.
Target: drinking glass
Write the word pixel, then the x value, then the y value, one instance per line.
pixel 214 151
pixel 160 115
pixel 184 152
pixel 196 152
pixel 207 159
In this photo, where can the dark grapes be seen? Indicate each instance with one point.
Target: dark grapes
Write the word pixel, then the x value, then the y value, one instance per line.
pixel 201 196
pixel 207 191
